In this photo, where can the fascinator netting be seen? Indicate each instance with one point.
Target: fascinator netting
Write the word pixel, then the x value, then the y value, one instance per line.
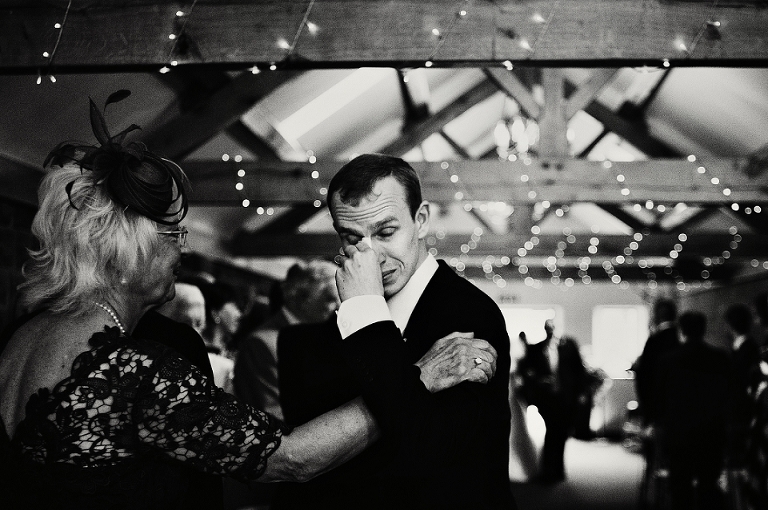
pixel 134 177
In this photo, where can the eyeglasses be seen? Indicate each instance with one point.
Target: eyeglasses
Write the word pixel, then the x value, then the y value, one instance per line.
pixel 180 235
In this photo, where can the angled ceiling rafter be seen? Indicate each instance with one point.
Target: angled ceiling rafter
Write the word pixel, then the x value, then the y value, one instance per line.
pixel 415 133
pixel 703 213
pixel 754 221
pixel 514 87
pixel 577 180
pixel 195 85
pixel 461 151
pixel 415 110
pixel 628 219
pixel 588 91
pixel 180 136
pixel 633 131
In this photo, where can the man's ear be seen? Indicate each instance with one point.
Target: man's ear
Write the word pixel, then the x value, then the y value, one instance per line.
pixel 422 219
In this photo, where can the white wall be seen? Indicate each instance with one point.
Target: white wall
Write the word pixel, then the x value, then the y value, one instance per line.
pixel 576 302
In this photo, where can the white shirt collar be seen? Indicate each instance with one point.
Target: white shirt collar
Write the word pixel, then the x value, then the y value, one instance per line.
pixel 401 305
pixel 738 341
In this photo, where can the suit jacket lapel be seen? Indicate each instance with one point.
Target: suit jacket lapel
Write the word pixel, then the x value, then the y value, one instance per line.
pixel 419 333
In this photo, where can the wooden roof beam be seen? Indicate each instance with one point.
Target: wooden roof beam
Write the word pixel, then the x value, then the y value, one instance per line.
pixel 633 131
pixel 559 180
pixel 654 245
pixel 120 35
pixel 587 92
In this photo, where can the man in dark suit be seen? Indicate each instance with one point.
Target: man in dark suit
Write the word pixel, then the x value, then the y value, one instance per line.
pixel 454 451
pixel 695 388
pixel 554 378
pixel 309 296
pixel 745 360
pixel 662 341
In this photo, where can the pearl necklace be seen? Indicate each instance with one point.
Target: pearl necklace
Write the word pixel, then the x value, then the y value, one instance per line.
pixel 112 314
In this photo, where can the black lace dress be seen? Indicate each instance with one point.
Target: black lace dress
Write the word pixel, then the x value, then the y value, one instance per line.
pixel 122 430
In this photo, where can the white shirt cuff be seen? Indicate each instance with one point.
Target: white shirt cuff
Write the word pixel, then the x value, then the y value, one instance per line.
pixel 360 311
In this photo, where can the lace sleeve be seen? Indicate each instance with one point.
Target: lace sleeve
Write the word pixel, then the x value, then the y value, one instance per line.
pixel 182 412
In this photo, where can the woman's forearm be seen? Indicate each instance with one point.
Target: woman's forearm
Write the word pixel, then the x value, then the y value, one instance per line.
pixel 322 444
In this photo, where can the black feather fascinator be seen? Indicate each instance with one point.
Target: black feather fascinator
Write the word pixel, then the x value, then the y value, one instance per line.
pixel 134 177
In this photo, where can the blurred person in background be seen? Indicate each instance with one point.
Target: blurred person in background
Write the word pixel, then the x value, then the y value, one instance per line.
pixel 553 378
pixel 745 361
pixel 695 388
pixel 755 487
pixel 309 296
pixel 188 307
pixel 663 340
pixel 222 317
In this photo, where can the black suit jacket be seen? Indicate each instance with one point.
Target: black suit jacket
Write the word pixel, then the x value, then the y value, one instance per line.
pixel 658 345
pixel 695 386
pixel 443 450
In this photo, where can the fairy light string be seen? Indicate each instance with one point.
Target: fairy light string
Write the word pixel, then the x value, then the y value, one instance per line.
pixel 711 27
pixel 177 36
pixel 442 35
pixel 538 18
pixel 491 263
pixel 52 54
pixel 304 21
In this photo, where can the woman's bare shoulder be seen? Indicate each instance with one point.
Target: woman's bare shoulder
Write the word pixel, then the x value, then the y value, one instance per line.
pixel 39 354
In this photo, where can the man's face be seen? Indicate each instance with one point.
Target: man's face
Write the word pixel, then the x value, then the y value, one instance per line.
pixel 385 219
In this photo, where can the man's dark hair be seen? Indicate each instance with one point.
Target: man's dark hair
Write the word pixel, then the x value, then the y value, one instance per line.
pixel 693 325
pixel 739 318
pixel 665 310
pixel 356 179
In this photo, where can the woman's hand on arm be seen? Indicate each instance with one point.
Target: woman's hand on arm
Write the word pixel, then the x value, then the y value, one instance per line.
pixel 456 358
pixel 339 435
pixel 322 444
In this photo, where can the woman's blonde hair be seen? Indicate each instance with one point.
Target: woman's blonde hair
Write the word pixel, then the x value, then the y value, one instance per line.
pixel 88 242
pixel 100 206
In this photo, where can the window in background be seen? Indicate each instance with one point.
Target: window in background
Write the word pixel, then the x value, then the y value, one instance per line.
pixel 529 319
pixel 618 336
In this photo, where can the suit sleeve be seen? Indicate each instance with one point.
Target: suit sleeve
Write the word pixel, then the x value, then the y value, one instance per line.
pixel 252 357
pixel 440 428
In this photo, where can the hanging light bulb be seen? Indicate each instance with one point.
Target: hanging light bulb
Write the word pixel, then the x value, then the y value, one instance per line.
pixel 501 135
